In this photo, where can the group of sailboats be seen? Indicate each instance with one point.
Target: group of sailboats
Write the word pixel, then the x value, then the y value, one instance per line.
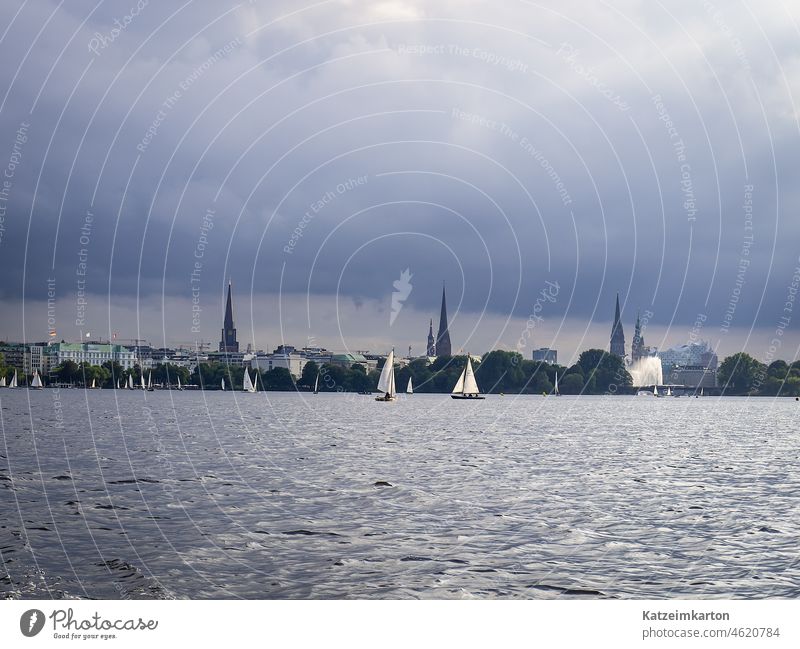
pixel 11 384
pixel 466 387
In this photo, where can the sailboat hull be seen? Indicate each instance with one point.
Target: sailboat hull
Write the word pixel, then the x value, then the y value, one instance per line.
pixel 467 396
pixel 386 397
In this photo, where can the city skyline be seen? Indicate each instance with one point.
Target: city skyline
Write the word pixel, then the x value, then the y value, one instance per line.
pixel 498 194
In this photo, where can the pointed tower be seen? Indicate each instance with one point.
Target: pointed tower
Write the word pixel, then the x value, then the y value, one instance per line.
pixel 443 337
pixel 228 342
pixel 617 335
pixel 637 344
pixel 431 349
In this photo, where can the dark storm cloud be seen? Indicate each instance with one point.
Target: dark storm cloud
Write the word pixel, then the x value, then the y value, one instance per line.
pixel 607 149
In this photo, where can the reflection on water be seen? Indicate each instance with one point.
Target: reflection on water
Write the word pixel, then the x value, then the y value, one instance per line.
pixel 159 495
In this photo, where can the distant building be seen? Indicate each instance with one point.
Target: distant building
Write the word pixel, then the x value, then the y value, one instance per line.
pixel 431 348
pixel 92 353
pixel 14 355
pixel 638 349
pixel 291 361
pixel 443 337
pixel 348 360
pixel 693 376
pixel 690 355
pixel 228 343
pixel 617 335
pixel 546 355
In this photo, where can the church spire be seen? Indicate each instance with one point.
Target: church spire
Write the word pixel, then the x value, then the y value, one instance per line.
pixel 431 349
pixel 443 337
pixel 617 335
pixel 228 343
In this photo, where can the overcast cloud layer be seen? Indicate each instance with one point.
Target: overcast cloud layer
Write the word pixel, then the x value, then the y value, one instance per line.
pixel 311 153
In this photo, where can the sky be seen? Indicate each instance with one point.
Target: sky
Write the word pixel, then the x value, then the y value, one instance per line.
pixel 339 162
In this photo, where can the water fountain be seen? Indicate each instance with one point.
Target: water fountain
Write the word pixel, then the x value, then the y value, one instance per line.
pixel 647 371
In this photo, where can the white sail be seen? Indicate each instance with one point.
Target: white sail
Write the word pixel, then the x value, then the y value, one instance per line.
pixel 119 383
pixel 150 381
pixel 316 384
pixel 409 387
pixel 223 382
pixel 248 383
pixel 470 384
pixel 669 392
pixel 37 381
pixel 144 386
pixel 466 383
pixel 655 390
pixel 130 381
pixel 459 389
pixel 555 390
pixel 13 383
pixel 179 382
pixel 93 384
pixel 386 381
pixel 2 381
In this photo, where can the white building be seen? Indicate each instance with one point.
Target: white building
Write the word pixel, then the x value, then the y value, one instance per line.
pixel 291 361
pixel 92 353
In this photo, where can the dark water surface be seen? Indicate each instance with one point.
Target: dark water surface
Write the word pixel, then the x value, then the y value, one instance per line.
pixel 123 494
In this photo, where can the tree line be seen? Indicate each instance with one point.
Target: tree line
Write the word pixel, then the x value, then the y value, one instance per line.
pixel 596 372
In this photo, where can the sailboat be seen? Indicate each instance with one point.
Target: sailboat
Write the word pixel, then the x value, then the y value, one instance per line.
pixel 150 382
pixel 316 384
pixel 144 385
pixel 2 381
pixel 94 385
pixel 466 387
pixel 36 383
pixel 223 383
pixel 655 390
pixel 179 383
pixel 555 389
pixel 119 384
pixel 409 387
pixel 13 383
pixel 248 382
pixel 669 391
pixel 386 381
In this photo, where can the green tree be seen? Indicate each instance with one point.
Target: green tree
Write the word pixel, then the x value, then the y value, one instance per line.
pixel 571 384
pixel 501 371
pixel 740 373
pixel 278 378
pixel 309 375
pixel 603 372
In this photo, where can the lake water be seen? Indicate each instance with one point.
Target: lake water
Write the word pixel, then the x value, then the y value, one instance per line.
pixel 124 494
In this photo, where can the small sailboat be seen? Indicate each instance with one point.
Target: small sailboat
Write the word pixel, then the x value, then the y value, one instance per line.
pixel 555 388
pixel 13 383
pixel 179 384
pixel 655 390
pixel 669 391
pixel 94 385
pixel 701 392
pixel 316 384
pixel 130 381
pixel 223 383
pixel 119 384
pixel 2 381
pixel 409 387
pixel 386 380
pixel 467 387
pixel 36 383
pixel 248 382
pixel 141 380
pixel 150 382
